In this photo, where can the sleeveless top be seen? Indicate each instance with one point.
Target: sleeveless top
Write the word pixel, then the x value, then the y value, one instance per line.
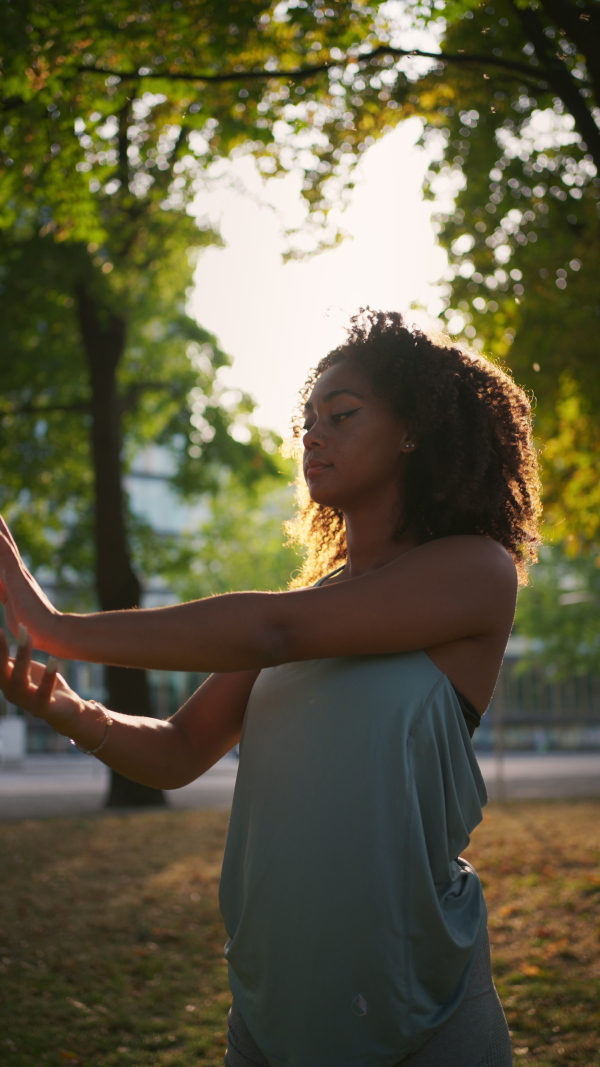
pixel 352 922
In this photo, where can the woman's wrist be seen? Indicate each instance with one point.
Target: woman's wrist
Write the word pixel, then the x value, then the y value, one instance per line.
pixel 84 637
pixel 88 727
pixel 99 742
pixel 53 636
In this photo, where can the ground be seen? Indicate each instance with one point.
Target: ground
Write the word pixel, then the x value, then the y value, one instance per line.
pixel 111 941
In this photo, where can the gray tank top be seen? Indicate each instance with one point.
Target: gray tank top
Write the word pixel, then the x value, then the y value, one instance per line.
pixel 352 923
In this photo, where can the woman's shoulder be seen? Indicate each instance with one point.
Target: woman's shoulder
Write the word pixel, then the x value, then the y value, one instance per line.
pixel 469 550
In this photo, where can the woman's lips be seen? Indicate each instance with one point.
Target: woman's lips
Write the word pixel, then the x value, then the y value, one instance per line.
pixel 313 468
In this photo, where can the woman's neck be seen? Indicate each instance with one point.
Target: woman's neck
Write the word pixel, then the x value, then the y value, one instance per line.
pixel 371 541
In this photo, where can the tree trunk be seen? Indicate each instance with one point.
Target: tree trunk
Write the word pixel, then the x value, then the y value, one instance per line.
pixel 128 691
pixel 103 333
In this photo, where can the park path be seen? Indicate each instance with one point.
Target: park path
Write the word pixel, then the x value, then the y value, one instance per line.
pixel 72 784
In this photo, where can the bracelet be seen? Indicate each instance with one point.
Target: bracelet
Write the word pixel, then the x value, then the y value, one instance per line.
pixel 109 722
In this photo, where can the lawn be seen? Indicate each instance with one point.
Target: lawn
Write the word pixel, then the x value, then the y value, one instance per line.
pixel 111 941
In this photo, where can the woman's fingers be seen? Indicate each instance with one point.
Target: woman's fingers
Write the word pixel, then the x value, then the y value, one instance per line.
pixel 20 680
pixel 7 534
pixel 43 695
pixel 17 683
pixel 24 600
pixel 36 687
pixel 9 553
pixel 5 665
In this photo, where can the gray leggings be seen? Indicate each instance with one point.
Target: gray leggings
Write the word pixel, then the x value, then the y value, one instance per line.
pixel 475 1036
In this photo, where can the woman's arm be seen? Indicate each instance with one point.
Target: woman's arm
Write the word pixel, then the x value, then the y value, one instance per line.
pixel 165 755
pixel 442 591
pixel 170 754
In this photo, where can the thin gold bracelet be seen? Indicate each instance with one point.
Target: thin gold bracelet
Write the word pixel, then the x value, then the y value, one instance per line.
pixel 109 722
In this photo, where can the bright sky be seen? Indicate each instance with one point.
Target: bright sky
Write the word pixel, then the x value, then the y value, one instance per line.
pixel 276 320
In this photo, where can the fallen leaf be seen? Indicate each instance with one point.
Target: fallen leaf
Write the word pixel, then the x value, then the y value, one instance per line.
pixel 557 948
pixel 78 1004
pixel 543 931
pixel 506 910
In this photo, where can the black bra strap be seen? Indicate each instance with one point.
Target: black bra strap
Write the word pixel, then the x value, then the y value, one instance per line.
pixel 472 716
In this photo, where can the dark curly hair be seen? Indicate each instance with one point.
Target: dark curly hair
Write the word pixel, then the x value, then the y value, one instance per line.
pixel 475 470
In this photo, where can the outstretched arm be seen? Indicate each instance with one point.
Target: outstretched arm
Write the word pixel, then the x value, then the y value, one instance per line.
pixel 165 755
pixel 442 591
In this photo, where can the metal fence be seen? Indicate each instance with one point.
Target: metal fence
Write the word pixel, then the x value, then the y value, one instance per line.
pixel 529 711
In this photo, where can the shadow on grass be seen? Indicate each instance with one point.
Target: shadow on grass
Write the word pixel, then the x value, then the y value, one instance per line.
pixel 111 943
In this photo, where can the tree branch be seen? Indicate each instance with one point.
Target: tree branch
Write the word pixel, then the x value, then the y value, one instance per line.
pixel 123 142
pixel 561 81
pixel 12 102
pixel 42 409
pixel 582 24
pixel 164 177
pixel 129 400
pixel 300 73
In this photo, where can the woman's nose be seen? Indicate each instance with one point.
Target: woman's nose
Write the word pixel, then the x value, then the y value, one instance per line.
pixel 313 438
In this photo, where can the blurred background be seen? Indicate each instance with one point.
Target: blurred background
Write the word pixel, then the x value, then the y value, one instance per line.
pixel 194 198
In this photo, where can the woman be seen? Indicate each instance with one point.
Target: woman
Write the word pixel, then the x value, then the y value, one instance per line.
pixel 356 933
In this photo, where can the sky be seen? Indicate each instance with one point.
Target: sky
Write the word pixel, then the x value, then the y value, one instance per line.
pixel 278 319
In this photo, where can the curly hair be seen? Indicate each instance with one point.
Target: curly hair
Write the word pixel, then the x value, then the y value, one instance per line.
pixel 475 470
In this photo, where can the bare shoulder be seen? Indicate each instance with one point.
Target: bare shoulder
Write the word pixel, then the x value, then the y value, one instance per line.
pixel 442 591
pixel 467 567
pixel 467 552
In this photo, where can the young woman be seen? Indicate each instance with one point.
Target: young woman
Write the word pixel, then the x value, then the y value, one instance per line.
pixel 357 934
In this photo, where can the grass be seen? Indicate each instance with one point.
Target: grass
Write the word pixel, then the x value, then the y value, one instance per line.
pixel 540 866
pixel 111 941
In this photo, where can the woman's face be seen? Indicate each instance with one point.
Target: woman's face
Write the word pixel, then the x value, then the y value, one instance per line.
pixel 354 443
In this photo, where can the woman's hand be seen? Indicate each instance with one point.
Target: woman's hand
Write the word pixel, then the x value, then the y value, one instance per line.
pixel 36 688
pixel 24 601
pixel 166 755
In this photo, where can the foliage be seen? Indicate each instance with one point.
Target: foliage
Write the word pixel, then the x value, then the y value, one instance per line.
pixel 241 544
pixel 559 612
pixel 115 121
pixel 141 978
pixel 513 115
pixel 169 394
pixel 171 397
pixel 115 112
pixel 118 118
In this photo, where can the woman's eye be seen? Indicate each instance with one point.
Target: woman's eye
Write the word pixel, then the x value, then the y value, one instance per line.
pixel 341 415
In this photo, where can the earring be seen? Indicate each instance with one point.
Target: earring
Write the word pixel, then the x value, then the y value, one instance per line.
pixel 410 444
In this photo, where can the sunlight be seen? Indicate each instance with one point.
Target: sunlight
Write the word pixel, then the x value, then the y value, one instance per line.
pixel 277 319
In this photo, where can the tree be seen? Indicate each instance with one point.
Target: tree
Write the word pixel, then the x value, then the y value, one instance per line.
pixel 512 109
pixel 69 431
pixel 241 545
pixel 559 612
pixel 112 119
